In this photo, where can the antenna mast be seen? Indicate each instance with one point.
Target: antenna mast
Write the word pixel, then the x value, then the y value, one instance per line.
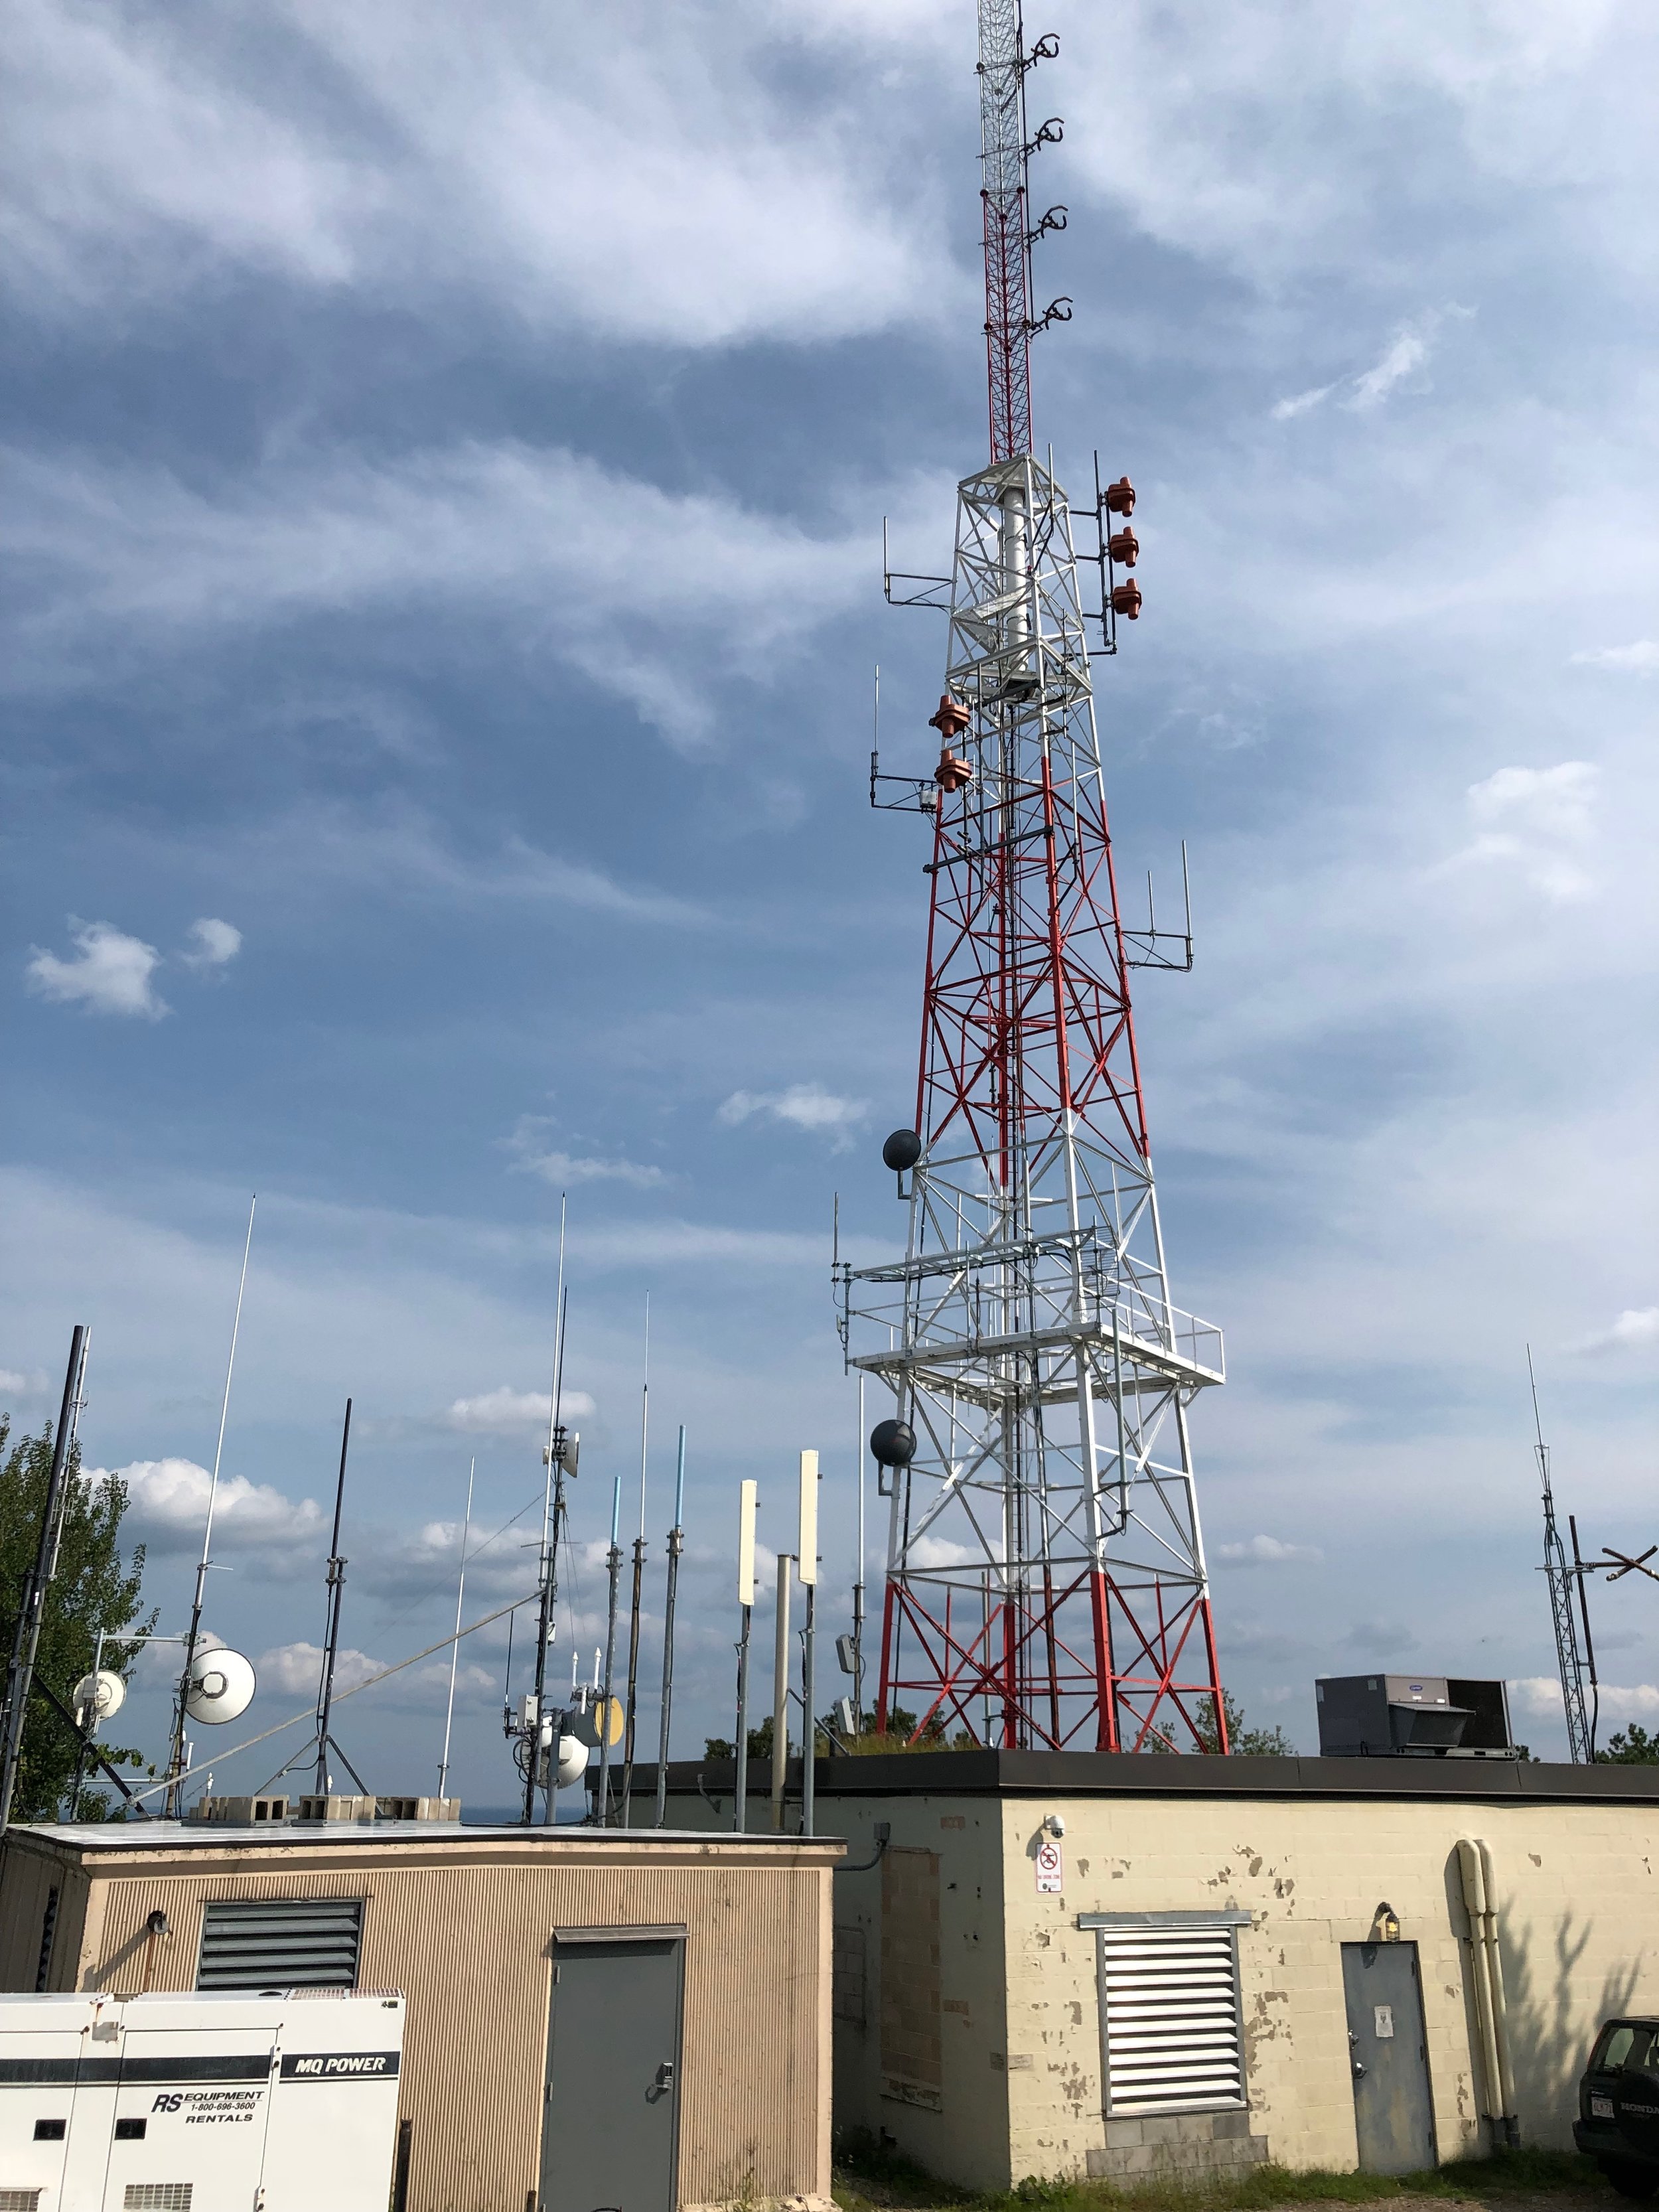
pixel 1560 1578
pixel 1046 1583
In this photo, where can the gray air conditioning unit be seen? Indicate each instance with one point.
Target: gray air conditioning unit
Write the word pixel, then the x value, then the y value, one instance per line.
pixel 1412 1716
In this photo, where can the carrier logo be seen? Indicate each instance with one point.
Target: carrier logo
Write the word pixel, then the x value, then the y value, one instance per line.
pixel 340 2066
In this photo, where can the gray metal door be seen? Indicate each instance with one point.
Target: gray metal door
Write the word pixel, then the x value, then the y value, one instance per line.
pixel 611 2130
pixel 1393 2108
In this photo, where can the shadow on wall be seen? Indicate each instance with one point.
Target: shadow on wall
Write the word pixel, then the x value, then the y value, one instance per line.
pixel 1549 2035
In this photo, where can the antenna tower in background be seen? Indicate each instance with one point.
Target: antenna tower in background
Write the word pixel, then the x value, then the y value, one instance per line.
pixel 1046 1583
pixel 1563 1581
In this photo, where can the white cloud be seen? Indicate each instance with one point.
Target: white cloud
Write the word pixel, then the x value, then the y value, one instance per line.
pixel 506 1412
pixel 569 1171
pixel 111 974
pixel 169 1510
pixel 19 1385
pixel 1628 1703
pixel 676 176
pixel 1540 1694
pixel 940 1552
pixel 1303 403
pixel 1538 820
pixel 1636 1329
pixel 214 944
pixel 295 1670
pixel 1405 357
pixel 806 1106
pixel 1641 659
pixel 136 561
pixel 1266 1551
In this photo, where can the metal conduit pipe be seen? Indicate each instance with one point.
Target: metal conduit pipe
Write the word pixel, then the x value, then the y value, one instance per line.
pixel 1486 1965
pixel 1500 2015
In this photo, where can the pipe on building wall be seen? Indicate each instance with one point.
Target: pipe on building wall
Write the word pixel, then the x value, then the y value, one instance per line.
pixel 1474 1868
pixel 1500 2014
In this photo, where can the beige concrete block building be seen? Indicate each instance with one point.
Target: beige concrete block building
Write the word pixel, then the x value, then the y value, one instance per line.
pixel 706 1955
pixel 1172 1982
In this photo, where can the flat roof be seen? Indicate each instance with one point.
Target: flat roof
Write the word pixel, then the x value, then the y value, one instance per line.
pixel 211 1835
pixel 1142 1774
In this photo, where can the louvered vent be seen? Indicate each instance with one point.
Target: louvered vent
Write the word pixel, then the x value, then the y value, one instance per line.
pixel 158 2196
pixel 20 2200
pixel 280 1943
pixel 1172 2030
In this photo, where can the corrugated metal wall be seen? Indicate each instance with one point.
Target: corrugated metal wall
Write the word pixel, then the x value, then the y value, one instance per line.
pixel 466 1936
pixel 26 1880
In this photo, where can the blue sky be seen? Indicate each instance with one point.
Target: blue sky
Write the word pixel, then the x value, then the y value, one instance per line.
pixel 447 452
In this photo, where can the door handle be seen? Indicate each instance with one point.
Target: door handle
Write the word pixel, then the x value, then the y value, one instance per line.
pixel 1358 2070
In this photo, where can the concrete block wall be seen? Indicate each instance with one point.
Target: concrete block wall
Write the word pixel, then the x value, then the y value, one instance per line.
pixel 1579 1917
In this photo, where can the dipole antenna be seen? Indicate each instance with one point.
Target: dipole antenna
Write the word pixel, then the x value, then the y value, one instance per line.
pixel 455 1648
pixel 336 1567
pixel 553 1465
pixel 676 1546
pixel 1560 1578
pixel 176 1762
pixel 639 1583
pixel 613 1559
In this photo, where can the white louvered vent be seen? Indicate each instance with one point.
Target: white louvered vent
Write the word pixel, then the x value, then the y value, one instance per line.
pixel 20 2200
pixel 158 2196
pixel 1172 2005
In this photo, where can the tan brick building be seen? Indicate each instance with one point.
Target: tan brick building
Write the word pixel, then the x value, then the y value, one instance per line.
pixel 491 1934
pixel 1174 1979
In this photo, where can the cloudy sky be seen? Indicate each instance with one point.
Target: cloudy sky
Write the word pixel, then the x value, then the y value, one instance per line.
pixel 448 449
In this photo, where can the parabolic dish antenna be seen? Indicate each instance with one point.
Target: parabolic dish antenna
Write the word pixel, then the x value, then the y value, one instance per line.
pixel 220 1687
pixel 99 1695
pixel 572 1760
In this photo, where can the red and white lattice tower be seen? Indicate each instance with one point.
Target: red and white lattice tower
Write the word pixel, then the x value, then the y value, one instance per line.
pixel 1046 1585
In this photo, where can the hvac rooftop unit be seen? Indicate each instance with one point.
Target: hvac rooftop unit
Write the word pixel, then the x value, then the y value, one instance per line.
pixel 287 2100
pixel 1412 1716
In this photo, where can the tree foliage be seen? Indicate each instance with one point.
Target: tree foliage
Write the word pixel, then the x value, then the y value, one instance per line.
pixel 1632 1746
pixel 95 1589
pixel 1243 1742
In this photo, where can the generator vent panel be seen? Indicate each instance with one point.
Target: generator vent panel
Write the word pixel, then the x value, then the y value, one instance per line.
pixel 1170 2019
pixel 280 1943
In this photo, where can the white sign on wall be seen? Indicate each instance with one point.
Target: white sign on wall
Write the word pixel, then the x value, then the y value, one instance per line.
pixel 1382 2018
pixel 1050 1868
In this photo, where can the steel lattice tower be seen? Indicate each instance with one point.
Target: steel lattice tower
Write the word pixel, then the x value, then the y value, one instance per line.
pixel 1046 1585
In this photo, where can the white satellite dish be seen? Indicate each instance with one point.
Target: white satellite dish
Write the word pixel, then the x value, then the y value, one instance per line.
pixel 99 1695
pixel 572 1760
pixel 220 1686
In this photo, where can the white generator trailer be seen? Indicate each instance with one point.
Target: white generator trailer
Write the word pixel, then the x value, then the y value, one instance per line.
pixel 282 2101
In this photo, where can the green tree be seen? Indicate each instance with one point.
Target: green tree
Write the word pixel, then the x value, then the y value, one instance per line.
pixel 95 1589
pixel 1632 1746
pixel 1243 1742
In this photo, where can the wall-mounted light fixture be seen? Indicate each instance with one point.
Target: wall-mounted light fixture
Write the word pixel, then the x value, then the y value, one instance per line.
pixel 1385 1925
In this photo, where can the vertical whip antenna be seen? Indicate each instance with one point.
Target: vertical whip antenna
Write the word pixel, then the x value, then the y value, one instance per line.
pixel 1005 158
pixel 1007 253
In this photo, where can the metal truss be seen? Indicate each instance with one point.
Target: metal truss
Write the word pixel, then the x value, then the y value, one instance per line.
pixel 1046 1576
pixel 1005 158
